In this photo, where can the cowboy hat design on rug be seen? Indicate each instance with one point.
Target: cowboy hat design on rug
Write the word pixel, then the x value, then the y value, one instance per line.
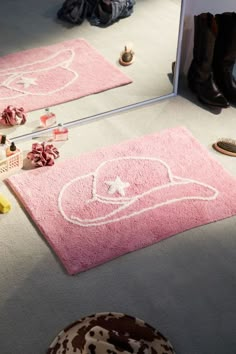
pixel 49 75
pixel 29 78
pixel 100 205
pixel 116 191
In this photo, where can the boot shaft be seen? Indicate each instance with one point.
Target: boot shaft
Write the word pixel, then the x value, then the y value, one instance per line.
pixel 225 48
pixel 200 74
pixel 225 55
pixel 205 34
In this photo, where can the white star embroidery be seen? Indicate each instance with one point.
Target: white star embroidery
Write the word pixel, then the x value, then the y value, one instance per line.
pixel 117 186
pixel 27 81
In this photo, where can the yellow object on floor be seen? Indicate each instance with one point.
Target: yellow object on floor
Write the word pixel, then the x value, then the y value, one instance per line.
pixel 5 205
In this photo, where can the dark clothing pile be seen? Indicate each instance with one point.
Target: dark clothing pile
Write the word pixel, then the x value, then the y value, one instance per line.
pixel 98 12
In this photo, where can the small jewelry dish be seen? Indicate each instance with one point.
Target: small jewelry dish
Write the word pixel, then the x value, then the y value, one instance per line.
pixel 127 56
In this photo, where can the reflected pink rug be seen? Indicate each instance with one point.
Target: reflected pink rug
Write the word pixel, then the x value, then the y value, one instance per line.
pixel 103 204
pixel 46 76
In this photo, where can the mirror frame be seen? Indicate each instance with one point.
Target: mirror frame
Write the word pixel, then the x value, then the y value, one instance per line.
pixel 95 117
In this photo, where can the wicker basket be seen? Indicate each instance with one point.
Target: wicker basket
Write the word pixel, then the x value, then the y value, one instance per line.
pixel 11 163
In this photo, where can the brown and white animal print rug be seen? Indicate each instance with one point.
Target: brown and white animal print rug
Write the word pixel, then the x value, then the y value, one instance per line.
pixel 110 333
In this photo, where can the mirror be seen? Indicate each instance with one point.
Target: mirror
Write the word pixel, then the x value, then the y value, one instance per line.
pixel 151 31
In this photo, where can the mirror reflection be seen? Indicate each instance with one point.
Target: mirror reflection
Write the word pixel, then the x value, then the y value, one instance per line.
pixel 78 70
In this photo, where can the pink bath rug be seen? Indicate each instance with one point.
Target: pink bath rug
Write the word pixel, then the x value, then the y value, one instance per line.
pixel 46 76
pixel 103 204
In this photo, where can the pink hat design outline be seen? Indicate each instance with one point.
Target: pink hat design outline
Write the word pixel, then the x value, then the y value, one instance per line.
pixel 20 72
pixel 125 202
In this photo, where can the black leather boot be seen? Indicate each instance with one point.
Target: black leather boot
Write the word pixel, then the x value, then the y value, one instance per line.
pixel 200 74
pixel 225 55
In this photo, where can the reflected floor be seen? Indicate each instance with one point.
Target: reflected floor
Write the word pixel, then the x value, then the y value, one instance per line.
pixel 152 29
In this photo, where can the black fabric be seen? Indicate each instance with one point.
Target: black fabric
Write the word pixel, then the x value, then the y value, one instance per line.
pixel 105 15
pixel 75 11
pixel 98 12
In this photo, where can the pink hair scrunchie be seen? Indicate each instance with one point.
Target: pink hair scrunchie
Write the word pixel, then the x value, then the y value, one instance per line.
pixel 13 116
pixel 43 154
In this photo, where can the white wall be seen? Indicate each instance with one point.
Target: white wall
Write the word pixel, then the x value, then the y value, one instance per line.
pixel 196 7
pixel 214 6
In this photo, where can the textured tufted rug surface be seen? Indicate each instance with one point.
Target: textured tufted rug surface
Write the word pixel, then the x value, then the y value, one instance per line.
pixel 46 76
pixel 103 204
